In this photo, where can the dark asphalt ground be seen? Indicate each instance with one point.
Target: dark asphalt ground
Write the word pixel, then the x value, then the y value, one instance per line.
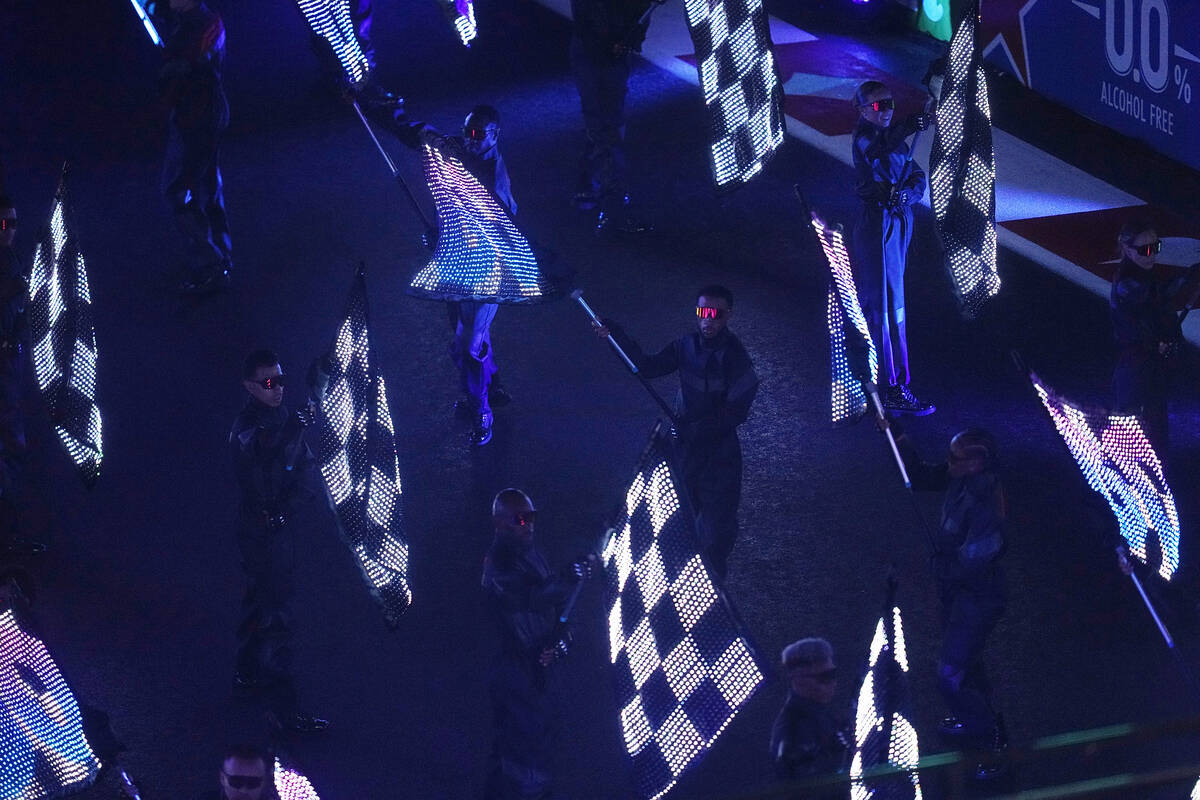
pixel 139 592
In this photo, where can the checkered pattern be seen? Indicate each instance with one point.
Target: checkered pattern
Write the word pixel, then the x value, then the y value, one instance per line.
pixel 845 315
pixel 292 785
pixel 682 666
pixel 1195 795
pixel 1120 464
pixel 359 461
pixel 740 84
pixel 42 747
pixel 480 254
pixel 461 14
pixel 883 736
pixel 963 173
pixel 64 339
pixel 330 19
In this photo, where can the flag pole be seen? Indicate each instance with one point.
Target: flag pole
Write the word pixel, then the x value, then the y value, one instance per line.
pixel 577 296
pixel 392 167
pixel 1166 634
pixel 873 393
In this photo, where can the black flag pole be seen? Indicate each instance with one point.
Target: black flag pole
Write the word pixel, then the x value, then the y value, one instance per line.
pixel 412 200
pixel 577 296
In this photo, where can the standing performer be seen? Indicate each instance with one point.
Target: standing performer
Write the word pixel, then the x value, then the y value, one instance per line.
pixel 1146 330
pixel 362 16
pixel 888 182
pixel 526 598
pixel 190 83
pixel 604 33
pixel 968 546
pixel 273 467
pixel 717 384
pixel 471 350
pixel 807 738
pixel 247 773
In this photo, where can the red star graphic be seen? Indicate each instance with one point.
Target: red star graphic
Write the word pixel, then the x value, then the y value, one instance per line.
pixel 1002 20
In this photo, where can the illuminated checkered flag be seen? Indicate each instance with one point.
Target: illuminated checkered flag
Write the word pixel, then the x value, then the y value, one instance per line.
pixel 682 666
pixel 963 173
pixel 845 315
pixel 42 746
pixel 461 14
pixel 741 88
pixel 330 19
pixel 1195 791
pixel 884 739
pixel 359 460
pixel 1119 463
pixel 480 254
pixel 64 339
pixel 290 784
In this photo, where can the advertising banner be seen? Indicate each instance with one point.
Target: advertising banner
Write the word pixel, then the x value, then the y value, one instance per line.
pixel 1132 65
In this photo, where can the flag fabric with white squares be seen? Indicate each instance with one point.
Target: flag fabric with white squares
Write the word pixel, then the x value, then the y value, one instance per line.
pixel 1119 463
pixel 849 336
pixel 732 39
pixel 359 460
pixel 883 736
pixel 331 20
pixel 682 665
pixel 963 173
pixel 461 14
pixel 480 254
pixel 42 745
pixel 291 784
pixel 64 339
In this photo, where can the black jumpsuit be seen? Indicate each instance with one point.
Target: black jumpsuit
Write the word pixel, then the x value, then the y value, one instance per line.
pixel 805 740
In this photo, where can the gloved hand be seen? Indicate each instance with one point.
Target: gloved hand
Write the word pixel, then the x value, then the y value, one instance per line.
pixel 585 567
pixel 921 121
pixel 906 197
pixel 429 239
pixel 306 415
pixel 275 521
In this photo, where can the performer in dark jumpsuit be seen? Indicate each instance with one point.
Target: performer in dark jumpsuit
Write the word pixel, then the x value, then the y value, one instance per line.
pixel 808 739
pixel 14 331
pixel 199 114
pixel 274 471
pixel 1147 332
pixel 604 33
pixel 526 598
pixel 888 182
pixel 968 546
pixel 471 350
pixel 717 385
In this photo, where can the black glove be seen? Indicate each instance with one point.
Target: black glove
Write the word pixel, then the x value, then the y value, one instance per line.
pixel 921 121
pixel 275 521
pixel 429 239
pixel 306 415
pixel 905 197
pixel 584 568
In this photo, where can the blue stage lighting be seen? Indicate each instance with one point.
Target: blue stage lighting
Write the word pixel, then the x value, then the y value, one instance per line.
pixel 682 665
pixel 360 463
pixel 1119 463
pixel 732 39
pixel 64 339
pixel 480 254
pixel 42 747
pixel 845 315
pixel 883 736
pixel 963 173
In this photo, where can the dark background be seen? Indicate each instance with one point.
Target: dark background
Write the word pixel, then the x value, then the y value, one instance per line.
pixel 138 594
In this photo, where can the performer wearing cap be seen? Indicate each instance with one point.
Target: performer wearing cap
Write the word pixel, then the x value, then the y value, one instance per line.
pixel 888 182
pixel 274 471
pixel 191 87
pixel 526 598
pixel 808 739
pixel 471 350
pixel 1146 330
pixel 968 545
pixel 717 385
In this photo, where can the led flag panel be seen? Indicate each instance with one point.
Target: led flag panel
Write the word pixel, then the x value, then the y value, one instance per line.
pixel 359 460
pixel 330 19
pixel 1196 791
pixel 843 311
pixel 461 14
pixel 480 255
pixel 291 785
pixel 1120 464
pixel 682 666
pixel 741 88
pixel 64 340
pixel 42 747
pixel 963 173
pixel 883 736
pixel 140 8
